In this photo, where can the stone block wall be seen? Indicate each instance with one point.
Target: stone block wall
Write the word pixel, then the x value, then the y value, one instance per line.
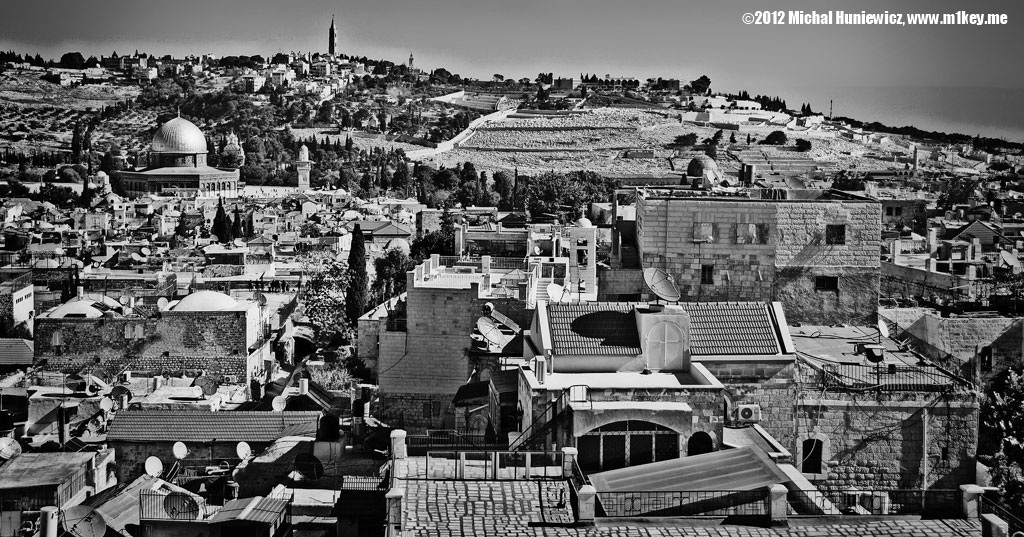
pixel 773 385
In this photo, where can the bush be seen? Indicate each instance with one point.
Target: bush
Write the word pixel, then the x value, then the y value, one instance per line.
pixel 803 145
pixel 775 138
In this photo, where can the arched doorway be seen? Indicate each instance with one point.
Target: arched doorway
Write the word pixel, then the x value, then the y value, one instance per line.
pixel 700 443
pixel 626 443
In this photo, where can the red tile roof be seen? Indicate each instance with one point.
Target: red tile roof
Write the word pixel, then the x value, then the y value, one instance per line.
pixel 204 426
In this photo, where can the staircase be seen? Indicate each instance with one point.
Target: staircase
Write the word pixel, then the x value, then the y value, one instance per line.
pixel 542 289
pixel 536 435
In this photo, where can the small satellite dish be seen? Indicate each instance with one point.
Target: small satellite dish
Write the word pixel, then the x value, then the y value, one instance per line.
pixel 161 303
pixel 557 293
pixel 661 284
pixel 261 299
pixel 215 403
pixel 536 250
pixel 243 450
pixel 117 392
pixel 180 450
pixel 9 448
pixel 106 404
pixel 58 251
pixel 136 257
pixel 883 329
pixel 83 521
pixel 75 383
pixel 146 252
pixel 279 403
pixel 239 242
pixel 123 300
pixel 207 384
pixel 154 467
pixel 181 506
pixel 92 389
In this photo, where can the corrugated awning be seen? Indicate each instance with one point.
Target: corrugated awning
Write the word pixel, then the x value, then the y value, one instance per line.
pixel 745 468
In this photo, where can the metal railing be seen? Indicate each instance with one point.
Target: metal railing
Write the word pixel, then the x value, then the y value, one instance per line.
pixel 533 435
pixel 937 503
pixel 885 377
pixel 175 506
pixel 715 503
pixel 396 324
pixel 494 465
pixel 991 506
pixel 420 444
pixel 365 483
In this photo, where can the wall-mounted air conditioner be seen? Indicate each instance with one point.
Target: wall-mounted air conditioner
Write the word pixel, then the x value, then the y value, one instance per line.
pixel 747 414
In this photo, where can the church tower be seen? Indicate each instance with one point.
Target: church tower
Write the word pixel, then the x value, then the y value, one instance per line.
pixel 302 166
pixel 332 39
pixel 410 61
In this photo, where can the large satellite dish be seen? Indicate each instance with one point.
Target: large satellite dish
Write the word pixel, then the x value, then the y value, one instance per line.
pixel 883 329
pixel 207 384
pixel 83 521
pixel 490 332
pixel 117 392
pixel 181 506
pixel 9 448
pixel 180 450
pixel 661 284
pixel 154 467
pixel 243 450
pixel 557 293
pixel 279 403
pixel 75 383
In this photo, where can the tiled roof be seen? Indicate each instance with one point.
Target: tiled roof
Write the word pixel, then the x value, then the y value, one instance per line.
pixel 41 469
pixel 203 426
pixel 15 351
pixel 596 328
pixel 716 328
pixel 731 328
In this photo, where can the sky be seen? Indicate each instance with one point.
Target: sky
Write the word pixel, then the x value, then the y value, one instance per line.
pixel 516 38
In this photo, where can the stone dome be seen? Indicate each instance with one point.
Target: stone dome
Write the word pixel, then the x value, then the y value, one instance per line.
pixel 179 136
pixel 303 153
pixel 206 301
pixel 702 165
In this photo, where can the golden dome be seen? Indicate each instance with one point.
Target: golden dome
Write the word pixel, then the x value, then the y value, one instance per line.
pixel 179 136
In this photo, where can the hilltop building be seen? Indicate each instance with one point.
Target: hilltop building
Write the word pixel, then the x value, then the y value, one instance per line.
pixel 332 39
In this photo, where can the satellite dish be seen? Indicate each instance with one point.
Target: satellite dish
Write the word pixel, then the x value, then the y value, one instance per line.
pixel 83 521
pixel 146 252
pixel 106 404
pixel 661 284
pixel 883 329
pixel 117 392
pixel 243 450
pixel 136 257
pixel 161 303
pixel 9 448
pixel 557 293
pixel 309 466
pixel 92 389
pixel 279 403
pixel 123 300
pixel 154 467
pixel 536 250
pixel 215 403
pixel 180 450
pixel 58 251
pixel 239 242
pixel 490 331
pixel 207 384
pixel 261 299
pixel 181 506
pixel 75 383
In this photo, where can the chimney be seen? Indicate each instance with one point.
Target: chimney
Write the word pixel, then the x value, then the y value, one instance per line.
pixel 303 386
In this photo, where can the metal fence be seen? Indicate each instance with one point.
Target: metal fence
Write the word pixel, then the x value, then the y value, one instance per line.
pixel 991 506
pixel 942 503
pixel 494 465
pixel 421 444
pixel 175 506
pixel 885 377
pixel 715 503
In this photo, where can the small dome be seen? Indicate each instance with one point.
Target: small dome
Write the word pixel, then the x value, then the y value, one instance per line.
pixel 584 222
pixel 75 308
pixel 702 165
pixel 206 301
pixel 399 244
pixel 179 136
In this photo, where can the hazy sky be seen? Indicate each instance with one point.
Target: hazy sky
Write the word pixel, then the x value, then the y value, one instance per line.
pixel 670 38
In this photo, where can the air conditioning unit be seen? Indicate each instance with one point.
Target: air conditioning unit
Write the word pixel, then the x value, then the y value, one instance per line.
pixel 747 414
pixel 230 379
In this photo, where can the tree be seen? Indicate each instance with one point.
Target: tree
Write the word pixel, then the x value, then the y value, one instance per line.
pixel 323 297
pixel 1001 434
pixel 391 269
pixel 565 195
pixel 803 145
pixel 701 85
pixel 236 225
pixel 357 293
pixel 732 137
pixel 686 140
pixel 72 60
pixel 958 191
pixel 221 224
pixel 775 138
pixel 503 186
pixel 441 241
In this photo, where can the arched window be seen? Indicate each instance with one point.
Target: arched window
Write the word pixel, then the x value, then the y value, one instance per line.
pixel 664 346
pixel 700 443
pixel 811 456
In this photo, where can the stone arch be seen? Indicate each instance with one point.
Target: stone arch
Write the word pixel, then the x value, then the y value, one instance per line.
pixel 700 443
pixel 608 417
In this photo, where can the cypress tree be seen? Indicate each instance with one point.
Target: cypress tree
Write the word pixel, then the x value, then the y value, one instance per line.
pixel 358 282
pixel 236 226
pixel 221 224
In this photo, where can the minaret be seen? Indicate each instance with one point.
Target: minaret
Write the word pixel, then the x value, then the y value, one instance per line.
pixel 410 61
pixel 332 39
pixel 302 166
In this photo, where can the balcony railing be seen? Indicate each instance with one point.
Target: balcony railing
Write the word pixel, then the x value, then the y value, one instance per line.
pixel 494 465
pixel 1014 520
pixel 716 503
pixel 885 377
pixel 937 502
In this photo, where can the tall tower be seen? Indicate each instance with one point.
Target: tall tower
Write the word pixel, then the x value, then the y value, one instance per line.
pixel 303 166
pixel 410 61
pixel 332 39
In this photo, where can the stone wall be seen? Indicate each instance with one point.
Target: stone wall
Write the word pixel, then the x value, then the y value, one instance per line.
pixel 773 385
pixel 131 456
pixel 174 342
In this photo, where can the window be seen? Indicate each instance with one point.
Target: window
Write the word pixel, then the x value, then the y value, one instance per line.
pixel 826 283
pixel 664 346
pixel 888 211
pixel 704 232
pixel 426 410
pixel 810 462
pixel 986 359
pixel 897 211
pixel 707 274
pixel 835 234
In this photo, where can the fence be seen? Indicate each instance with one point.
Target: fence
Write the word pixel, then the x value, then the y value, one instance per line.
pixel 938 503
pixel 494 465
pixel 175 506
pixel 991 506
pixel 421 444
pixel 889 377
pixel 717 503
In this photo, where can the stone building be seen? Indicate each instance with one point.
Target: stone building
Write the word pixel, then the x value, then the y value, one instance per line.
pixel 177 166
pixel 205 332
pixel 17 304
pixel 816 252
